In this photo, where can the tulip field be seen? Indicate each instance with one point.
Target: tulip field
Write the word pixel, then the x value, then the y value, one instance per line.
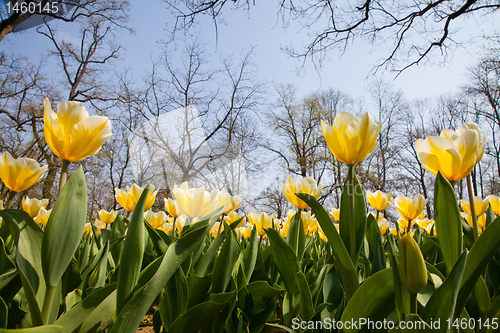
pixel 203 265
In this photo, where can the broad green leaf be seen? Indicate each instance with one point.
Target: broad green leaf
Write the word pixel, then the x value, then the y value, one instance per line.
pixel 250 254
pixel 306 302
pixel 133 251
pixel 64 229
pixel 175 299
pixel 200 315
pixel 448 221
pixel 375 294
pixel 490 215
pixel 442 304
pixel 359 216
pixel 261 293
pixel 40 329
pixel 198 289
pixel 262 318
pixel 296 236
pixel 204 261
pixel 158 242
pixel 342 259
pixel 377 253
pixel 89 307
pixel 224 264
pixel 132 313
pixel 4 314
pixel 29 261
pixel 479 256
pixel 8 269
pixel 9 229
pixel 285 259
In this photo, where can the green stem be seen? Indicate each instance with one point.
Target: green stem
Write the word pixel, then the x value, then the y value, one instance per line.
pixel 173 227
pixel 409 226
pixel 64 174
pixel 352 226
pixel 413 303
pixel 472 206
pixel 9 199
pixel 50 292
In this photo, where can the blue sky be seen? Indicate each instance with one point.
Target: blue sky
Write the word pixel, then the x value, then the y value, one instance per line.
pixel 262 30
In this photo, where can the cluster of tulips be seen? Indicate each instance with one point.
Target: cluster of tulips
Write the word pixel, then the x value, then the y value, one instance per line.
pixel 202 265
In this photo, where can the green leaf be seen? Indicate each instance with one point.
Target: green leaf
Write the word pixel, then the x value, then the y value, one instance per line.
pixel 133 251
pixel 479 256
pixel 296 236
pixel 41 329
pixel 285 259
pixel 448 221
pixel 441 305
pixel 132 313
pixel 4 313
pixel 198 289
pixel 261 293
pixel 224 264
pixel 359 216
pixel 29 261
pixel 175 299
pixel 200 315
pixel 342 258
pixel 375 294
pixel 250 254
pixel 8 269
pixel 64 229
pixel 306 302
pixel 203 263
pixel 158 242
pixel 94 308
pixel 377 253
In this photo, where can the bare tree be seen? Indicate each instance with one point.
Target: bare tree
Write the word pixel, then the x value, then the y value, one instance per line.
pixel 197 122
pixel 390 105
pixel 414 28
pixel 21 15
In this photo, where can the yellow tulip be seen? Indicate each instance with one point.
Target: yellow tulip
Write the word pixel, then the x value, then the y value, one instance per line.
pixel 453 153
pixel 306 185
pixel 495 203
pixel 479 204
pixel 410 208
pixel 412 270
pixel 260 221
pixel 424 223
pixel 100 225
pixel 351 138
pixel 33 206
pixel 403 223
pixel 107 217
pixel 43 216
pixel 378 200
pixel 335 213
pixel 233 203
pixel 167 227
pixel 21 173
pixel 214 231
pixel 322 235
pixel 71 134
pixel 171 207
pixel 128 199
pixel 383 226
pixel 156 220
pixel 233 217
pixel 481 220
pixel 245 231
pixel 309 222
pixel 194 202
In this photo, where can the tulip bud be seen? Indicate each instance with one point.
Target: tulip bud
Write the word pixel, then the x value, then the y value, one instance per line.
pixel 412 270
